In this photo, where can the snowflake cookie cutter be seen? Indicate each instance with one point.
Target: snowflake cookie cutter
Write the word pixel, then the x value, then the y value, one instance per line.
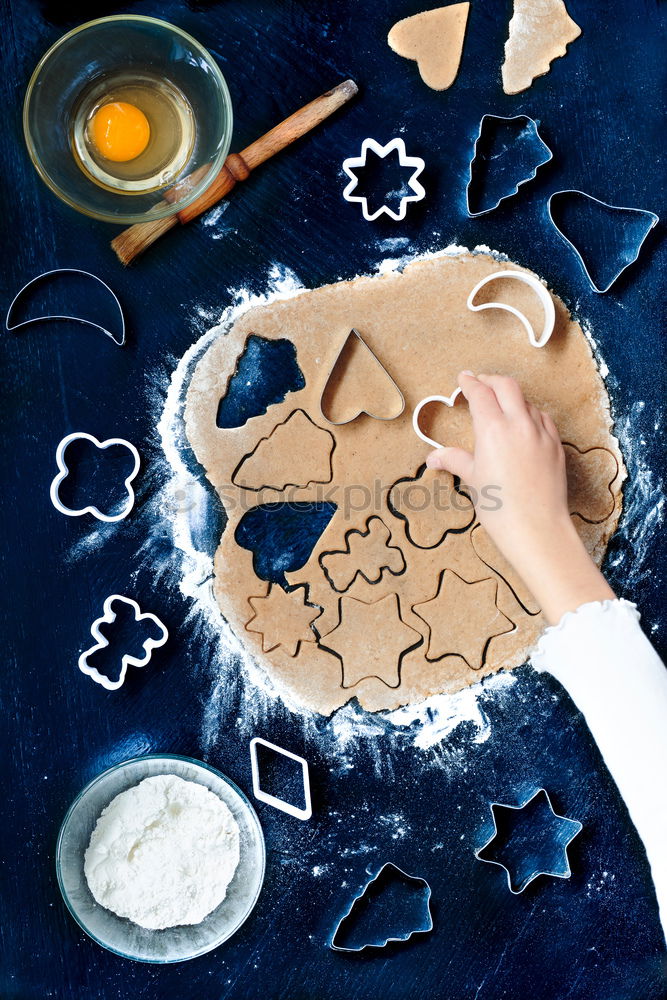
pixel 372 888
pixel 652 221
pixel 13 327
pixel 544 156
pixel 540 290
pixel 272 800
pixel 127 660
pixel 64 472
pixel 569 827
pixel 355 162
pixel 446 400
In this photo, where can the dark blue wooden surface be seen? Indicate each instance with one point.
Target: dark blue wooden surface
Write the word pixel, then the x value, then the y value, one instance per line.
pixel 380 798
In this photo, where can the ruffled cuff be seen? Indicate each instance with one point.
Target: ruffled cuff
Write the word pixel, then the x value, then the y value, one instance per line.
pixel 580 627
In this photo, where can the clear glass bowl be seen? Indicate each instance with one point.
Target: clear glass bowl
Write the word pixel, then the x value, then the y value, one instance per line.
pixel 102 48
pixel 175 944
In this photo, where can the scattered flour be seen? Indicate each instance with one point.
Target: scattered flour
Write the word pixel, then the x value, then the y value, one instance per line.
pixel 163 853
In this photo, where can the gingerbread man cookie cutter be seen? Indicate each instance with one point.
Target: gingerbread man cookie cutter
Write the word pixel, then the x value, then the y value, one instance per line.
pixel 127 660
pixel 64 472
pixel 359 162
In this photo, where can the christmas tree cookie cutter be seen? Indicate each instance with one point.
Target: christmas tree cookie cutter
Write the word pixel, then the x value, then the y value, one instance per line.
pixel 359 162
pixel 543 155
pixel 64 472
pixel 127 660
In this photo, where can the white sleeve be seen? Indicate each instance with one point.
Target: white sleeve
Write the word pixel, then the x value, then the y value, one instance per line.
pixel 616 679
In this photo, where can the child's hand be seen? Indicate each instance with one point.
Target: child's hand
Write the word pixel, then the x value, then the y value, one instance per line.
pixel 518 451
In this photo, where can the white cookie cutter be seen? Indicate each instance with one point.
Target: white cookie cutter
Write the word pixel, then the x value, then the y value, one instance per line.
pixel 540 290
pixel 404 160
pixel 127 661
pixel 11 327
pixel 447 400
pixel 272 800
pixel 64 472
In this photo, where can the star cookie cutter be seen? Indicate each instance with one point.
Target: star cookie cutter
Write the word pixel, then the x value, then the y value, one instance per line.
pixel 12 327
pixel 447 400
pixel 540 290
pixel 543 155
pixel 272 800
pixel 652 221
pixel 127 660
pixel 564 871
pixel 373 889
pixel 64 472
pixel 355 162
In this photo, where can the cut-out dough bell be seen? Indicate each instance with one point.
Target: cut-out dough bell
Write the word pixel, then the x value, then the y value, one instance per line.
pixel 434 39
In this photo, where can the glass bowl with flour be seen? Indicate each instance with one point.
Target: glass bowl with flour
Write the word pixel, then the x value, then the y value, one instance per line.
pixel 160 858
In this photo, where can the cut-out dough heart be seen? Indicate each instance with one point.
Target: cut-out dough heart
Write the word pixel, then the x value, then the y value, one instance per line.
pixel 447 400
pixel 539 32
pixel 434 39
pixel 539 289
pixel 359 383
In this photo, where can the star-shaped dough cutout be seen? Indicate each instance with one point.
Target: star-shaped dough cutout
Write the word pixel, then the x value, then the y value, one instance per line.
pixel 283 618
pixel 370 640
pixel 462 619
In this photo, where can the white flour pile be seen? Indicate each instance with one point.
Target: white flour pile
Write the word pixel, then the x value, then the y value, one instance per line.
pixel 163 853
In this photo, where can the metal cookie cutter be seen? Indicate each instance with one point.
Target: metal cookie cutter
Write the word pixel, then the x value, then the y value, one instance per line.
pixel 447 400
pixel 538 858
pixel 356 337
pixel 530 131
pixel 74 319
pixel 273 800
pixel 64 472
pixel 371 893
pixel 127 660
pixel 651 220
pixel 540 290
pixel 355 162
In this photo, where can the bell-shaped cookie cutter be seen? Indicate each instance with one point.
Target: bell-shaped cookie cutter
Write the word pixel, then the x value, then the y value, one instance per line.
pixel 355 162
pixel 272 800
pixel 575 828
pixel 127 660
pixel 540 290
pixel 417 883
pixel 64 472
pixel 654 219
pixel 446 400
pixel 12 327
pixel 531 124
pixel 379 365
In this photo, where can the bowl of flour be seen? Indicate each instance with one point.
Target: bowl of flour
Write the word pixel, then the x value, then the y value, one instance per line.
pixel 160 858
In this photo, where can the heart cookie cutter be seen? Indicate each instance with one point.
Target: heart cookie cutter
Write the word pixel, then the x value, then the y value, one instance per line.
pixel 540 290
pixel 355 162
pixel 12 327
pixel 127 660
pixel 272 800
pixel 64 472
pixel 360 340
pixel 543 156
pixel 447 400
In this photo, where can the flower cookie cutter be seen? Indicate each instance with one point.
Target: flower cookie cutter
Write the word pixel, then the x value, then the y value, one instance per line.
pixel 652 221
pixel 556 867
pixel 355 162
pixel 272 800
pixel 540 290
pixel 64 472
pixel 543 156
pixel 127 660
pixel 12 327
pixel 371 890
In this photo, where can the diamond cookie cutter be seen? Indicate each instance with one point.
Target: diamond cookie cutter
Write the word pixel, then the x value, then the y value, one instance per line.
pixel 127 660
pixel 372 890
pixel 447 400
pixel 560 868
pixel 12 327
pixel 354 162
pixel 540 290
pixel 379 366
pixel 544 155
pixel 64 472
pixel 272 800
pixel 654 219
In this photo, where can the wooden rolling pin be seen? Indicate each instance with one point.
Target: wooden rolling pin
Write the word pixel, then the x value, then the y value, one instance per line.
pixel 237 167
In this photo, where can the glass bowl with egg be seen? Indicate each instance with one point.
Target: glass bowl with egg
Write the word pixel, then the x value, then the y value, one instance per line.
pixel 80 835
pixel 127 119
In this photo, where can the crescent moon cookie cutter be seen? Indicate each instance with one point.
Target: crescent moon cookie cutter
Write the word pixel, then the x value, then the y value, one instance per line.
pixel 353 163
pixel 64 471
pixel 13 327
pixel 356 337
pixel 373 888
pixel 446 400
pixel 540 290
pixel 127 659
pixel 652 221
pixel 543 155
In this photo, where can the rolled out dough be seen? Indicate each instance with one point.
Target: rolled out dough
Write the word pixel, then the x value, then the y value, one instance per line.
pixel 387 635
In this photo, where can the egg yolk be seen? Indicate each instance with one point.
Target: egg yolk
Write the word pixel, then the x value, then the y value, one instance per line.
pixel 120 131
